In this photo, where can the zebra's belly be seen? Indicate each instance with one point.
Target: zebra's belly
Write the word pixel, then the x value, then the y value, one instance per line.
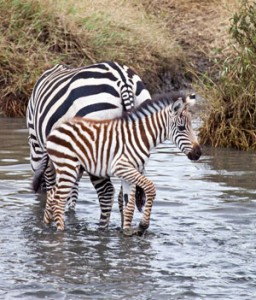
pixel 99 169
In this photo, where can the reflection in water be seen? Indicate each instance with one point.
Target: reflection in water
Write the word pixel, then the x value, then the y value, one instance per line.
pixel 233 167
pixel 200 244
pixel 89 262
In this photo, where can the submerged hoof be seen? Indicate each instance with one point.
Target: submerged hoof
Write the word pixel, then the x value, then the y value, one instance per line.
pixel 141 232
pixel 142 228
pixel 70 213
pixel 129 231
pixel 132 231
pixel 71 209
pixel 60 228
pixel 103 229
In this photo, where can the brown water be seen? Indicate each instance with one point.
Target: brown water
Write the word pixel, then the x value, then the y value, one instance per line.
pixel 201 243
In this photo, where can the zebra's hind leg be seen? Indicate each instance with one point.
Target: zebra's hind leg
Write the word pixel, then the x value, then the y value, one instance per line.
pixel 140 200
pixel 121 205
pixel 49 182
pixel 53 209
pixel 129 191
pixel 129 174
pixel 58 208
pixel 150 192
pixel 65 181
pixel 48 214
pixel 49 177
pixel 105 191
pixel 58 203
pixel 72 199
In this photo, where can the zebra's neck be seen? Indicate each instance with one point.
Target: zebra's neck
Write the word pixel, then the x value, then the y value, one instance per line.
pixel 150 126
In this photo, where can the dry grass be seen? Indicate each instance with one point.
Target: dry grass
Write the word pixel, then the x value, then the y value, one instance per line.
pixel 230 118
pixel 32 39
pixel 37 34
pixel 224 64
pixel 166 41
pixel 200 27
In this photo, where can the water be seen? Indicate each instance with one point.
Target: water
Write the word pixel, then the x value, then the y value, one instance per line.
pixel 200 244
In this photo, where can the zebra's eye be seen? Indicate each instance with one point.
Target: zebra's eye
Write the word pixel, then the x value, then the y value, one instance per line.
pixel 181 127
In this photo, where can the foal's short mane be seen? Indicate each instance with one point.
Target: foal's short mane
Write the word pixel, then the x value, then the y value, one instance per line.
pixel 158 102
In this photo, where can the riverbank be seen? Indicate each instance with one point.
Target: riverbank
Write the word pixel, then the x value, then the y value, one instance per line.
pixel 168 44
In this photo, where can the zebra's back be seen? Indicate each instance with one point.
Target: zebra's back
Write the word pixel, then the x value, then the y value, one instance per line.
pixel 119 147
pixel 101 91
pixel 84 142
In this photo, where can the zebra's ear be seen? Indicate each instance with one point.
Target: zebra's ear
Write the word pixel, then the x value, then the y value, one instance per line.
pixel 191 100
pixel 177 105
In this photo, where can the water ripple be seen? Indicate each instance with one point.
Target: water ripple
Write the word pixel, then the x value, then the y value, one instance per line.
pixel 200 244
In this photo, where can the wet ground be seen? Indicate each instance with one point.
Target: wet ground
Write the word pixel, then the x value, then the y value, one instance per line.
pixel 201 243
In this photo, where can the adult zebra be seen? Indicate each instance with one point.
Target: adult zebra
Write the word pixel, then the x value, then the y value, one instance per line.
pixel 104 91
pixel 119 147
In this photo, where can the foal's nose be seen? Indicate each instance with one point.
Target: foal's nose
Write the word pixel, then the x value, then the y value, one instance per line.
pixel 195 153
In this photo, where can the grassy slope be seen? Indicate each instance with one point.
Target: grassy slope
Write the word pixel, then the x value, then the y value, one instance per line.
pixel 36 34
pixel 199 27
pixel 230 117
pixel 165 41
pixel 225 62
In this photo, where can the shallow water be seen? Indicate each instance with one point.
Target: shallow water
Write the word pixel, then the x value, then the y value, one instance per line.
pixel 200 244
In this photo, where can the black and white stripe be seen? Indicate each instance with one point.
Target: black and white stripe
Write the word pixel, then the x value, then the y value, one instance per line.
pixel 118 147
pixel 100 91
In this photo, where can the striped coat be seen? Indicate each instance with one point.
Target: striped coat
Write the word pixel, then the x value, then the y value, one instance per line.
pixel 100 91
pixel 119 148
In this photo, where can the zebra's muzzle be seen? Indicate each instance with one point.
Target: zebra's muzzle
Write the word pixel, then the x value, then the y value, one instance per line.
pixel 195 153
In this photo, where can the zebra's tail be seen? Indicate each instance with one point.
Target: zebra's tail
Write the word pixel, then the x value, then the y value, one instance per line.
pixel 39 172
pixel 140 198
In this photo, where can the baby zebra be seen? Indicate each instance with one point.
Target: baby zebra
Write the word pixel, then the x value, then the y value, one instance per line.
pixel 119 147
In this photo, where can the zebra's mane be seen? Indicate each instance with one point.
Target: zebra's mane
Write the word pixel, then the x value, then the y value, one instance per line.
pixel 158 102
pixel 148 107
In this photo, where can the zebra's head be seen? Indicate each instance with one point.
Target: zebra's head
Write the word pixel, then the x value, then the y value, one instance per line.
pixel 181 131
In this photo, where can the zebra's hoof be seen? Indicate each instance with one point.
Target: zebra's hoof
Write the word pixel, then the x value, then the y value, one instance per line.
pixel 70 212
pixel 71 209
pixel 103 228
pixel 131 231
pixel 141 232
pixel 60 227
pixel 128 231
pixel 142 228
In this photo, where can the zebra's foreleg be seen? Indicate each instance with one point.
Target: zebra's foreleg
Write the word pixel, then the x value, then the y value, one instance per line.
pixel 105 191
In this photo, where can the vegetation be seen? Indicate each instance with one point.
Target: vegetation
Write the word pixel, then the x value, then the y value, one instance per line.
pixel 231 119
pixel 37 34
pixel 154 38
